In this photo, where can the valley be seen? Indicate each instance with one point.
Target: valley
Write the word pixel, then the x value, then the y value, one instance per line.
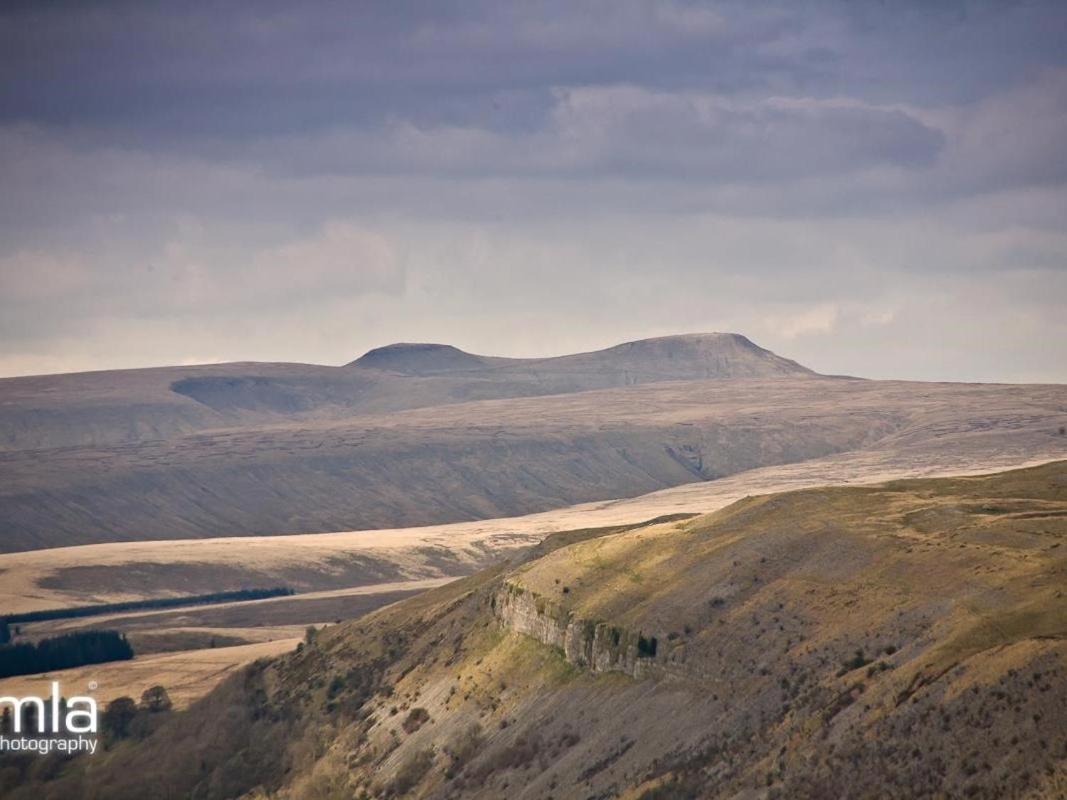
pixel 562 521
pixel 334 467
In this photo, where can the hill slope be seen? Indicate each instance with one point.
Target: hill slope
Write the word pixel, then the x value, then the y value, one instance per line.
pixel 123 406
pixel 490 459
pixel 444 436
pixel 904 640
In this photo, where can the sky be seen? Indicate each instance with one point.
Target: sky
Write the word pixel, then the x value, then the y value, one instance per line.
pixel 870 188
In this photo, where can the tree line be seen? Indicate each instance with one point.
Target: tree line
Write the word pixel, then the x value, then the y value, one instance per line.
pixel 63 652
pixel 137 605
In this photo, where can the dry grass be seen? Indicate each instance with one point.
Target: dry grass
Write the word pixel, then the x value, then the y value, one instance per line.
pixel 951 590
pixel 189 650
pixel 904 640
pixel 497 458
pixel 187 675
pixel 60 577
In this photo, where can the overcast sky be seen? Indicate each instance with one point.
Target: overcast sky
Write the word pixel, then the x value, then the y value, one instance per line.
pixel 873 188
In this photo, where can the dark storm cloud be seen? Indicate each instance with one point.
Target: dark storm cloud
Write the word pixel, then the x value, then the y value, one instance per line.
pixel 239 69
pixel 231 69
pixel 625 130
pixel 476 82
pixel 174 173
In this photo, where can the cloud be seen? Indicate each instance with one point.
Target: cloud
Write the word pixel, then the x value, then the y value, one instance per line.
pixel 833 179
pixel 1011 138
pixel 341 258
pixel 631 129
pixel 194 273
pixel 634 133
pixel 28 275
pixel 817 320
pixel 878 316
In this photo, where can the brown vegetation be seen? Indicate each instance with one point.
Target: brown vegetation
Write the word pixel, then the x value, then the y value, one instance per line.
pixel 273 449
pixel 950 593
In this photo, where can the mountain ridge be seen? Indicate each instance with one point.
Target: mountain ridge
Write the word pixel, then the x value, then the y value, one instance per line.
pixel 698 352
pixel 121 406
pixel 263 449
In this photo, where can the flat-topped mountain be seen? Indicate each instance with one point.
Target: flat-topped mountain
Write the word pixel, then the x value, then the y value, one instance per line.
pixel 115 406
pixel 422 359
pixel 700 356
pixel 425 434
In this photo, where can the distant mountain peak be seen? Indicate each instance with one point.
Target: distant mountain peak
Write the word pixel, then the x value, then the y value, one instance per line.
pixel 691 356
pixel 677 357
pixel 419 358
pixel 711 340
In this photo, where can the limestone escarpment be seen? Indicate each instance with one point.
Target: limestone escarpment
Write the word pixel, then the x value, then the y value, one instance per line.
pixel 588 644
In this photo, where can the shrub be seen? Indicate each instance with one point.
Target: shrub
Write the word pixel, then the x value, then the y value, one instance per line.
pixel 518 755
pixel 874 669
pixel 465 746
pixel 118 715
pixel 857 661
pixel 411 772
pixel 337 685
pixel 155 699
pixel 415 720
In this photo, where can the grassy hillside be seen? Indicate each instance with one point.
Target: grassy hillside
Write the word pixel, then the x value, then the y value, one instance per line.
pixel 488 459
pixel 904 640
pixel 427 434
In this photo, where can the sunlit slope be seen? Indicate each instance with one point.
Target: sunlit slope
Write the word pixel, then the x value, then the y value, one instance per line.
pixel 496 458
pixel 903 640
pixel 422 434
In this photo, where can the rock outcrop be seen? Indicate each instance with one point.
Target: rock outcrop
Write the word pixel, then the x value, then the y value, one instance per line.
pixel 588 644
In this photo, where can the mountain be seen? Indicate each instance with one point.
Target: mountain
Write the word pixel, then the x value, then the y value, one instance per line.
pixel 902 640
pixel 714 356
pixel 247 449
pixel 123 406
pixel 699 356
pixel 424 359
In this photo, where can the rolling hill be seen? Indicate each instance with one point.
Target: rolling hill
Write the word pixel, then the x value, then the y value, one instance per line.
pixel 418 435
pixel 123 406
pixel 901 640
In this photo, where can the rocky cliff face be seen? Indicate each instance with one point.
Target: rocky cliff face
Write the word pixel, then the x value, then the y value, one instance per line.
pixel 588 644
